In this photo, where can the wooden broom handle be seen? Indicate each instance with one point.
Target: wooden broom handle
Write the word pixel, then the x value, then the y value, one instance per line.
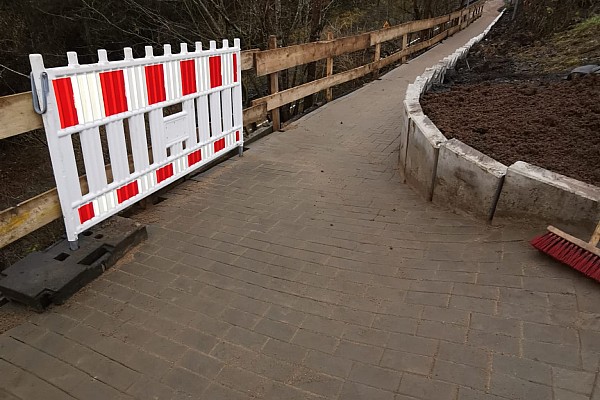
pixel 596 235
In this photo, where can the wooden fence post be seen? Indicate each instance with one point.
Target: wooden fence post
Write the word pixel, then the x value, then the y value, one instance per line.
pixel 329 92
pixel 274 87
pixel 404 46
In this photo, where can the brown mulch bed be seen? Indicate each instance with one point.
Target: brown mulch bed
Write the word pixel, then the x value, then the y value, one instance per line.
pixel 555 125
pixel 511 101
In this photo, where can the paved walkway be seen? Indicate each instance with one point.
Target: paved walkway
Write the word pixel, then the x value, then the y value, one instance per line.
pixel 306 270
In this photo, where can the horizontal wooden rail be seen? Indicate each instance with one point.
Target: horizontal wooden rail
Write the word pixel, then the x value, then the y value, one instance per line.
pixel 17 115
pixel 271 61
pixel 287 96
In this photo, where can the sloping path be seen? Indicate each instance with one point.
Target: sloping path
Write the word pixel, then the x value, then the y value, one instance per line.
pixel 306 270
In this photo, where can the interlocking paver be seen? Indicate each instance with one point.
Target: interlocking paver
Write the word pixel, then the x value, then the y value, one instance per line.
pixel 307 270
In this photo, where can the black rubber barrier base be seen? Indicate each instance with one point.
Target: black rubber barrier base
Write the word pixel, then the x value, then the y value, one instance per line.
pixel 53 275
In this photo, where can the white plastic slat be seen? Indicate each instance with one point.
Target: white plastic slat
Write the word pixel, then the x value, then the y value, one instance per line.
pixel 216 128
pixel 188 107
pixel 227 110
pixel 139 144
pixel 93 159
pixel 203 119
pixel 157 136
pixel 117 150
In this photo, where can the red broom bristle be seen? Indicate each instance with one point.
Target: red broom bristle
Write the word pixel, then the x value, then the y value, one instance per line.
pixel 568 253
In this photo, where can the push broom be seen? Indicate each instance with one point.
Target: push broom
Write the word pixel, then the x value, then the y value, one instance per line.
pixel 576 253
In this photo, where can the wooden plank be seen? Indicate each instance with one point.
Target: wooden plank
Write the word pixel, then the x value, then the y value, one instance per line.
pixel 248 59
pixel 257 113
pixel 399 55
pixel 270 61
pixel 287 96
pixel 383 35
pixel 26 217
pixel 17 115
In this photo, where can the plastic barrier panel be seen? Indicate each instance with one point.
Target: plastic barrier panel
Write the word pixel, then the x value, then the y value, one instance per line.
pixel 153 119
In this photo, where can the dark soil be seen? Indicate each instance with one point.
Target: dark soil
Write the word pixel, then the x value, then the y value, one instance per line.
pixel 513 109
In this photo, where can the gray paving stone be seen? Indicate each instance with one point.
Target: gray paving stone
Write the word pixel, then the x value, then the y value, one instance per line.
pixel 413 344
pixel 550 333
pixel 514 388
pixel 427 299
pixel 331 365
pixel 463 354
pixel 441 330
pixel 409 362
pixel 380 378
pixel 574 381
pixel 488 323
pixel 565 355
pixel 316 383
pixel 200 364
pixel 534 371
pixel 357 391
pixel 316 341
pixel 284 351
pixel 252 385
pixel 359 352
pixel 495 342
pixel 426 388
pixel 463 375
pixel 392 323
pixel 328 326
pixel 361 334
pixel 446 315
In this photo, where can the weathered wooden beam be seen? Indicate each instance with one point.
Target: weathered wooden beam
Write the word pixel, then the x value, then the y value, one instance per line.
pixel 26 217
pixel 270 61
pixel 279 99
pixel 247 59
pixel 255 113
pixel 17 115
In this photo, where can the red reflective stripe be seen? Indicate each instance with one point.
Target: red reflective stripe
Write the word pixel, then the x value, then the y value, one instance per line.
pixel 65 102
pixel 237 136
pixel 188 77
pixel 235 67
pixel 155 83
pixel 219 145
pixel 216 79
pixel 128 191
pixel 113 92
pixel 86 212
pixel 194 157
pixel 164 173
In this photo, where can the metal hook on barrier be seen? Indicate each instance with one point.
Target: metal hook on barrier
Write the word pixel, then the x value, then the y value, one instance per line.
pixel 45 90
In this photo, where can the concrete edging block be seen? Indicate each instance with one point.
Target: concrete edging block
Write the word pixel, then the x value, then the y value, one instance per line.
pixel 467 180
pixel 422 148
pixel 535 193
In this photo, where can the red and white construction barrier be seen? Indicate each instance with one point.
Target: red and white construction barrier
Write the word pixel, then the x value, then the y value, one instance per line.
pixel 125 101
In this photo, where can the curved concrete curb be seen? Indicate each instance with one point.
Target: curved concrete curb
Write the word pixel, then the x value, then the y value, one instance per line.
pixel 453 174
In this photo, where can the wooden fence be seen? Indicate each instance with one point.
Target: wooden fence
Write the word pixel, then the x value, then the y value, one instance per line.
pixel 17 115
